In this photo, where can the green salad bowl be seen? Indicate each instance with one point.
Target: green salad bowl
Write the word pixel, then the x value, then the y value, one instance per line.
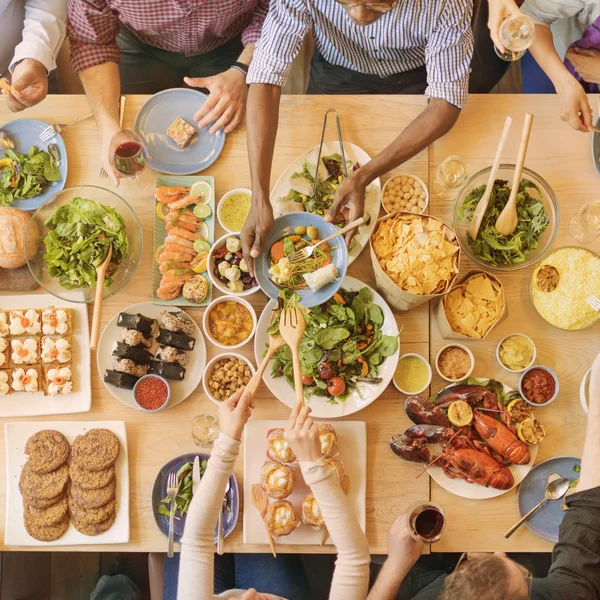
pixel 70 274
pixel 549 200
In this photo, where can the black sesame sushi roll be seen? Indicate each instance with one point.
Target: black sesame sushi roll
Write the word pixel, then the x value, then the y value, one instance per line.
pixel 172 355
pixel 139 356
pixel 177 322
pixel 126 365
pixel 138 322
pixel 177 340
pixel 131 337
pixel 124 381
pixel 167 370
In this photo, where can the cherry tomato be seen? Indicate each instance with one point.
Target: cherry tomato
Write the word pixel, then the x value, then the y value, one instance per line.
pixel 307 380
pixel 324 370
pixel 336 386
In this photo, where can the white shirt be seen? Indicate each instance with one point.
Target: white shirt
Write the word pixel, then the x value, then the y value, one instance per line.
pixel 31 29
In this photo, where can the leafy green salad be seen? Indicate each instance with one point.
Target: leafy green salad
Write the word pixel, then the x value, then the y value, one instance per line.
pixel 343 345
pixel 26 175
pixel 492 246
pixel 185 494
pixel 80 235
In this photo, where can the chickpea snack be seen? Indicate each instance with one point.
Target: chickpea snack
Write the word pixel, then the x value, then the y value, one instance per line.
pixel 405 192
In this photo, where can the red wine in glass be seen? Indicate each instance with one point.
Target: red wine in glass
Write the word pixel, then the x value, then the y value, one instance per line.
pixel 129 158
pixel 426 521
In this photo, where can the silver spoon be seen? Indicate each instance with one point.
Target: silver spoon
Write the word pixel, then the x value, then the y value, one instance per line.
pixel 554 490
pixel 220 524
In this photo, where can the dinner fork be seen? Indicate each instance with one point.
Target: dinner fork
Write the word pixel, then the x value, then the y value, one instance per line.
pixel 594 302
pixel 172 490
pixel 122 102
pixel 306 252
pixel 52 130
pixel 260 502
pixel 291 328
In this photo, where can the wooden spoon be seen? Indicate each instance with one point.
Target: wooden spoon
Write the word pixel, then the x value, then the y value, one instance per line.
pixel 485 199
pixel 100 276
pixel 291 328
pixel 507 221
pixel 260 502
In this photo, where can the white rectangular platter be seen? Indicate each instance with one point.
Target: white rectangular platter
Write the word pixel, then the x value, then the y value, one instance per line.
pixel 36 404
pixel 16 436
pixel 352 442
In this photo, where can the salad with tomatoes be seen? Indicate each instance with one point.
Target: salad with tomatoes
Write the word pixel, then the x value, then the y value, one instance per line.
pixel 343 345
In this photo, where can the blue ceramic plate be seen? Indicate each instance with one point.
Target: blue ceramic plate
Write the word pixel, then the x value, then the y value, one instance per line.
pixel 26 133
pixel 159 491
pixel 596 148
pixel 283 226
pixel 155 117
pixel 546 521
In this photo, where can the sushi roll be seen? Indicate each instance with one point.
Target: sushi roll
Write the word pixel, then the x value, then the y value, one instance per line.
pixel 125 365
pixel 131 337
pixel 172 355
pixel 178 340
pixel 139 356
pixel 138 322
pixel 178 322
pixel 166 370
pixel 124 381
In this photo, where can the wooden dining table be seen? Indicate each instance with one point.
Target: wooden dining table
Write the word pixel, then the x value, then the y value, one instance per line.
pixel 371 122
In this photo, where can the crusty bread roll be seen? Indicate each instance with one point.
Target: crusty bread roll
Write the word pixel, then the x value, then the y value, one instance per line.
pixel 13 227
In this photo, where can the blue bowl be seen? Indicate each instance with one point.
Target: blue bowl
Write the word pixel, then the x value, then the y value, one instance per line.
pixel 285 225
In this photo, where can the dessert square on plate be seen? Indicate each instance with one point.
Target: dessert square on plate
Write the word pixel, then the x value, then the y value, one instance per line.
pixel 25 351
pixel 181 132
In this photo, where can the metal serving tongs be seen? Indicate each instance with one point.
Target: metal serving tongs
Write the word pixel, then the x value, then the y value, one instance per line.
pixel 339 129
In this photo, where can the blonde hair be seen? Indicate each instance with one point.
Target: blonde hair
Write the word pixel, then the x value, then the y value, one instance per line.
pixel 480 578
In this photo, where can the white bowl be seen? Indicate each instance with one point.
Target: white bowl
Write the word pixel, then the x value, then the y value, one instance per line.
pixel 224 197
pixel 215 280
pixel 418 179
pixel 209 368
pixel 498 353
pixel 437 358
pixel 223 299
pixel 429 370
pixel 583 389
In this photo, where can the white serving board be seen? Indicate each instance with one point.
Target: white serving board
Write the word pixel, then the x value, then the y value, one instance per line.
pixel 16 436
pixel 352 442
pixel 36 404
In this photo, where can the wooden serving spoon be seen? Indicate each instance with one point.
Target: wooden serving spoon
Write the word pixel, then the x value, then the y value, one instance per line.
pixel 100 277
pixel 485 199
pixel 507 221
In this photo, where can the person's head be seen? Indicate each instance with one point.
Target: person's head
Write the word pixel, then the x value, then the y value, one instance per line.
pixel 365 12
pixel 487 577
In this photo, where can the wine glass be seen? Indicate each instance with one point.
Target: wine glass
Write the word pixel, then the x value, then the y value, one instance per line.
pixel 425 521
pixel 451 175
pixel 585 225
pixel 205 429
pixel 127 154
pixel 516 34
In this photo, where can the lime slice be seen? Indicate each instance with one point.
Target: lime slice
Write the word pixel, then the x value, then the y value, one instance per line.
pixel 162 211
pixel 204 231
pixel 158 252
pixel 201 246
pixel 202 189
pixel 202 211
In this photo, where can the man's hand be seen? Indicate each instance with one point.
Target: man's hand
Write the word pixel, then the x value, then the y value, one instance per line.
pixel 113 136
pixel 29 85
pixel 255 231
pixel 586 61
pixel 500 10
pixel 349 202
pixel 403 549
pixel 234 413
pixel 226 102
pixel 302 434
pixel 574 105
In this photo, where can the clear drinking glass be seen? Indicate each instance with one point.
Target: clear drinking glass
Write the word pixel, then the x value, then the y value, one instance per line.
pixel 451 175
pixel 516 34
pixel 127 153
pixel 205 429
pixel 585 225
pixel 425 521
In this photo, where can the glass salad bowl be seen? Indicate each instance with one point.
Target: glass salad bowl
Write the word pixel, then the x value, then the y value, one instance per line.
pixel 549 200
pixel 85 225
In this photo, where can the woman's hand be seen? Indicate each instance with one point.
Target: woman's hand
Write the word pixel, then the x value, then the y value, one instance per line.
pixel 574 104
pixel 302 434
pixel 234 413
pixel 500 10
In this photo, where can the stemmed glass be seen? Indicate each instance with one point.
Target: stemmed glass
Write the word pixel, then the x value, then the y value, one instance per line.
pixel 451 175
pixel 585 225
pixel 516 34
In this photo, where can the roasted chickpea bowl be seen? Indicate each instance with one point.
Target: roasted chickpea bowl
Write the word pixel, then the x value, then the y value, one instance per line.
pixel 404 192
pixel 226 374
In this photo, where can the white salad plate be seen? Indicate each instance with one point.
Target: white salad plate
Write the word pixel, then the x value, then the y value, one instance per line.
pixel 359 398
pixel 180 390
pixel 16 436
pixel 354 154
pixel 352 442
pixel 36 404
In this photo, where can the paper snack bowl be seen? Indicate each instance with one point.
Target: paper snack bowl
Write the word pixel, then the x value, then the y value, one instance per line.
pixel 396 297
pixel 442 320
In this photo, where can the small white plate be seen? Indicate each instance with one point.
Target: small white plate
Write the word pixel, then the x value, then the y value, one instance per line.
pixel 180 390
pixel 352 442
pixel 16 436
pixel 36 404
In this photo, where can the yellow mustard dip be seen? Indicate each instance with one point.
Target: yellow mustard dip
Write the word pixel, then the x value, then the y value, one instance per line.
pixel 234 211
pixel 411 374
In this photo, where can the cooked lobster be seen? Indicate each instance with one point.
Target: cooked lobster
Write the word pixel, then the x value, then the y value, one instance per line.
pixel 500 439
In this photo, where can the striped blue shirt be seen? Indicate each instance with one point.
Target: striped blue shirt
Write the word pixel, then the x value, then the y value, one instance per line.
pixel 434 33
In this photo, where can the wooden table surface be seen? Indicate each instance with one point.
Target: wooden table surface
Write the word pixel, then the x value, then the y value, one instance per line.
pixel 155 439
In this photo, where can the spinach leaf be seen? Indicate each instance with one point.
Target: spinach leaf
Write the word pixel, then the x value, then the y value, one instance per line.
pixel 389 345
pixel 330 337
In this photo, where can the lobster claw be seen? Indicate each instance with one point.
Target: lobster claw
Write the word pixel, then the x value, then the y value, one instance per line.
pixel 413 450
pixel 421 411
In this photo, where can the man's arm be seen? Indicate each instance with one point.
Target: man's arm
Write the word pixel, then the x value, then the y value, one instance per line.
pixel 590 463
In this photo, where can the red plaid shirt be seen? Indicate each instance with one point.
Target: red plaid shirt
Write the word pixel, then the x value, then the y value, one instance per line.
pixel 189 27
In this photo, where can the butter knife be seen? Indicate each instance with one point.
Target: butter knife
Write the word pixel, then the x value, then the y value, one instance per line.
pixel 195 475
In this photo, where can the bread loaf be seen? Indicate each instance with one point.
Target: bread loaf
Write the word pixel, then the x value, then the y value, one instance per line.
pixel 13 229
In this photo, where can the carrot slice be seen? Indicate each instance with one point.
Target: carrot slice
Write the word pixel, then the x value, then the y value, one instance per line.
pixel 277 251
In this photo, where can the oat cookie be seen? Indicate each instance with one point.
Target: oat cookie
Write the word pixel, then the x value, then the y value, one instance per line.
pixel 90 480
pixel 97 450
pixel 93 498
pixel 91 516
pixel 43 486
pixel 47 450
pixel 42 503
pixel 51 515
pixel 44 533
pixel 93 529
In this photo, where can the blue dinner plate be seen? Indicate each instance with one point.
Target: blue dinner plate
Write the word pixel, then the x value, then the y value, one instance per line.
pixel 159 491
pixel 26 133
pixel 546 520
pixel 285 225
pixel 155 117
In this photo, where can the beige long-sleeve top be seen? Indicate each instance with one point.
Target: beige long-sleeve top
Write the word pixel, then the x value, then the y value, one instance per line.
pixel 196 571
